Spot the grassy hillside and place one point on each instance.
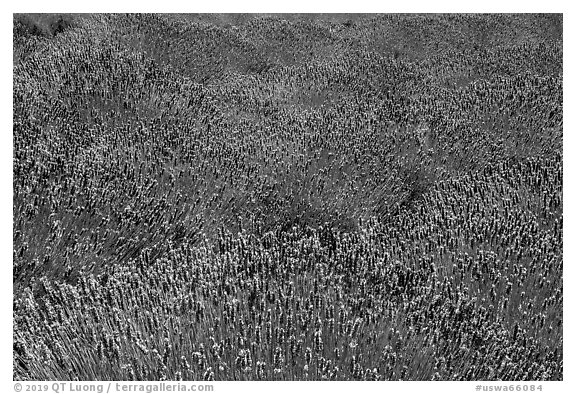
(238, 197)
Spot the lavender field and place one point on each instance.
(287, 197)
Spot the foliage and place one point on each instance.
(266, 197)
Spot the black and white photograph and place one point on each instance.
(313, 197)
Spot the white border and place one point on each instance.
(293, 6)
